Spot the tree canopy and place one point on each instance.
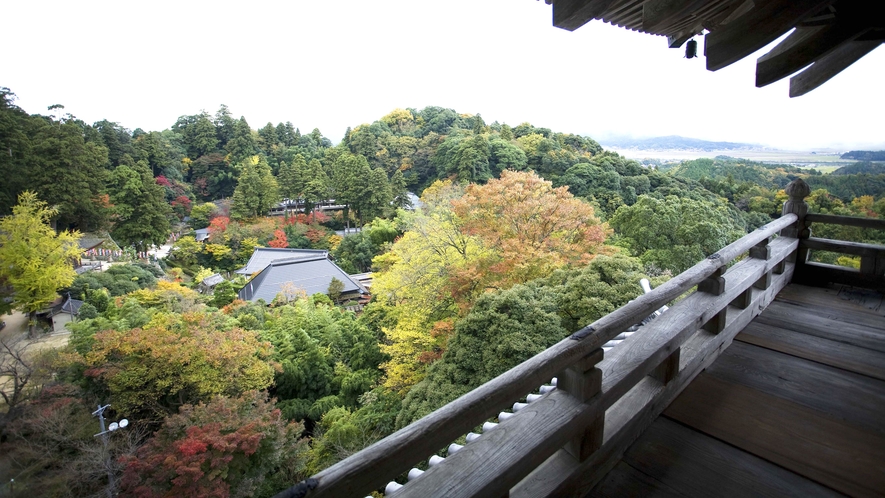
(36, 261)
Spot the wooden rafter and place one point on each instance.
(830, 65)
(572, 14)
(812, 46)
(847, 22)
(737, 28)
(755, 29)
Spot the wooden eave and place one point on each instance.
(827, 35)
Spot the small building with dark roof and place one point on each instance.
(311, 275)
(207, 285)
(61, 314)
(263, 256)
(201, 234)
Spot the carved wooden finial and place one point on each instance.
(797, 189)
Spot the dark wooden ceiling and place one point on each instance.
(829, 35)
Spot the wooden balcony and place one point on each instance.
(794, 407)
(753, 384)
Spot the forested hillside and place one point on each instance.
(523, 235)
(865, 155)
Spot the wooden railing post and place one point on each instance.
(715, 284)
(762, 251)
(798, 190)
(583, 381)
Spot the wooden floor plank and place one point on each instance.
(826, 297)
(793, 317)
(843, 395)
(834, 453)
(867, 298)
(695, 464)
(624, 480)
(834, 313)
(833, 353)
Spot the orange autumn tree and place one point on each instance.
(464, 242)
(279, 240)
(530, 227)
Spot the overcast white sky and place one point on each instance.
(334, 64)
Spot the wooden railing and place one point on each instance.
(872, 256)
(565, 441)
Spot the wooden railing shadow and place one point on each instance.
(565, 441)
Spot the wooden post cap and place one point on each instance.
(797, 189)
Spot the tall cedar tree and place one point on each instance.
(142, 214)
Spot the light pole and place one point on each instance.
(104, 439)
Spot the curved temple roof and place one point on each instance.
(828, 36)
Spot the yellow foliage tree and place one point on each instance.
(34, 259)
(463, 243)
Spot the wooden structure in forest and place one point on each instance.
(575, 439)
(829, 35)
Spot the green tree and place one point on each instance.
(317, 187)
(203, 139)
(377, 198)
(34, 259)
(674, 233)
(350, 181)
(140, 209)
(292, 178)
(399, 191)
(507, 327)
(68, 172)
(335, 288)
(257, 190)
(242, 145)
(201, 215)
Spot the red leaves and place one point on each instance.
(314, 217)
(210, 449)
(279, 240)
(217, 226)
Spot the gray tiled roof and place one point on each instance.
(89, 243)
(313, 275)
(212, 280)
(71, 306)
(263, 256)
(201, 234)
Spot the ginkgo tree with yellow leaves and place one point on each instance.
(34, 259)
(464, 242)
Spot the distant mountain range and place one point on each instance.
(675, 142)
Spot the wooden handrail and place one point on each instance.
(850, 221)
(872, 256)
(492, 465)
(370, 468)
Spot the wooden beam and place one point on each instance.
(755, 29)
(848, 221)
(830, 65)
(572, 14)
(804, 46)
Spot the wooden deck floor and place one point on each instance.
(794, 407)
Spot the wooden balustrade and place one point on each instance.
(871, 273)
(576, 420)
(564, 442)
